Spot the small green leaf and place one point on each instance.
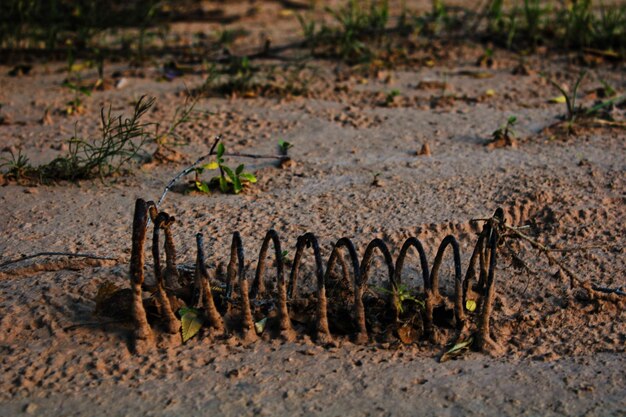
(237, 185)
(457, 349)
(184, 310)
(203, 187)
(246, 176)
(191, 325)
(223, 184)
(220, 150)
(239, 169)
(558, 100)
(211, 165)
(229, 172)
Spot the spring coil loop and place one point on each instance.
(354, 276)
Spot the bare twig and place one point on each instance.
(69, 254)
(188, 170)
(618, 291)
(547, 251)
(255, 156)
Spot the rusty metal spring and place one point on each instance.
(482, 261)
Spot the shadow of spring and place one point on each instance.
(241, 299)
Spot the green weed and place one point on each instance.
(17, 165)
(505, 135)
(390, 97)
(403, 295)
(228, 181)
(119, 145)
(283, 147)
(358, 25)
(570, 99)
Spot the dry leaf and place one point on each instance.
(191, 323)
(407, 334)
(557, 100)
(457, 350)
(259, 326)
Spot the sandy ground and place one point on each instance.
(564, 353)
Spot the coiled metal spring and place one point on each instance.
(354, 275)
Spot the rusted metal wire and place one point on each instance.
(278, 296)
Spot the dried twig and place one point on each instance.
(618, 291)
(69, 254)
(188, 170)
(255, 156)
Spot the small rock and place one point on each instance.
(425, 151)
(46, 120)
(121, 83)
(287, 163)
(30, 408)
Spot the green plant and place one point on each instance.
(533, 15)
(403, 294)
(242, 72)
(389, 99)
(67, 24)
(610, 29)
(283, 147)
(228, 180)
(504, 135)
(577, 21)
(17, 165)
(120, 143)
(570, 99)
(506, 131)
(359, 24)
(75, 106)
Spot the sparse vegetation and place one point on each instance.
(120, 144)
(359, 24)
(504, 135)
(65, 24)
(573, 25)
(239, 77)
(570, 99)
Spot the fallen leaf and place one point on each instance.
(476, 74)
(558, 100)
(191, 322)
(211, 165)
(407, 334)
(259, 326)
(457, 350)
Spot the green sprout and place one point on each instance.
(283, 147)
(228, 180)
(403, 294)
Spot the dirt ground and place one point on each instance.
(357, 173)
